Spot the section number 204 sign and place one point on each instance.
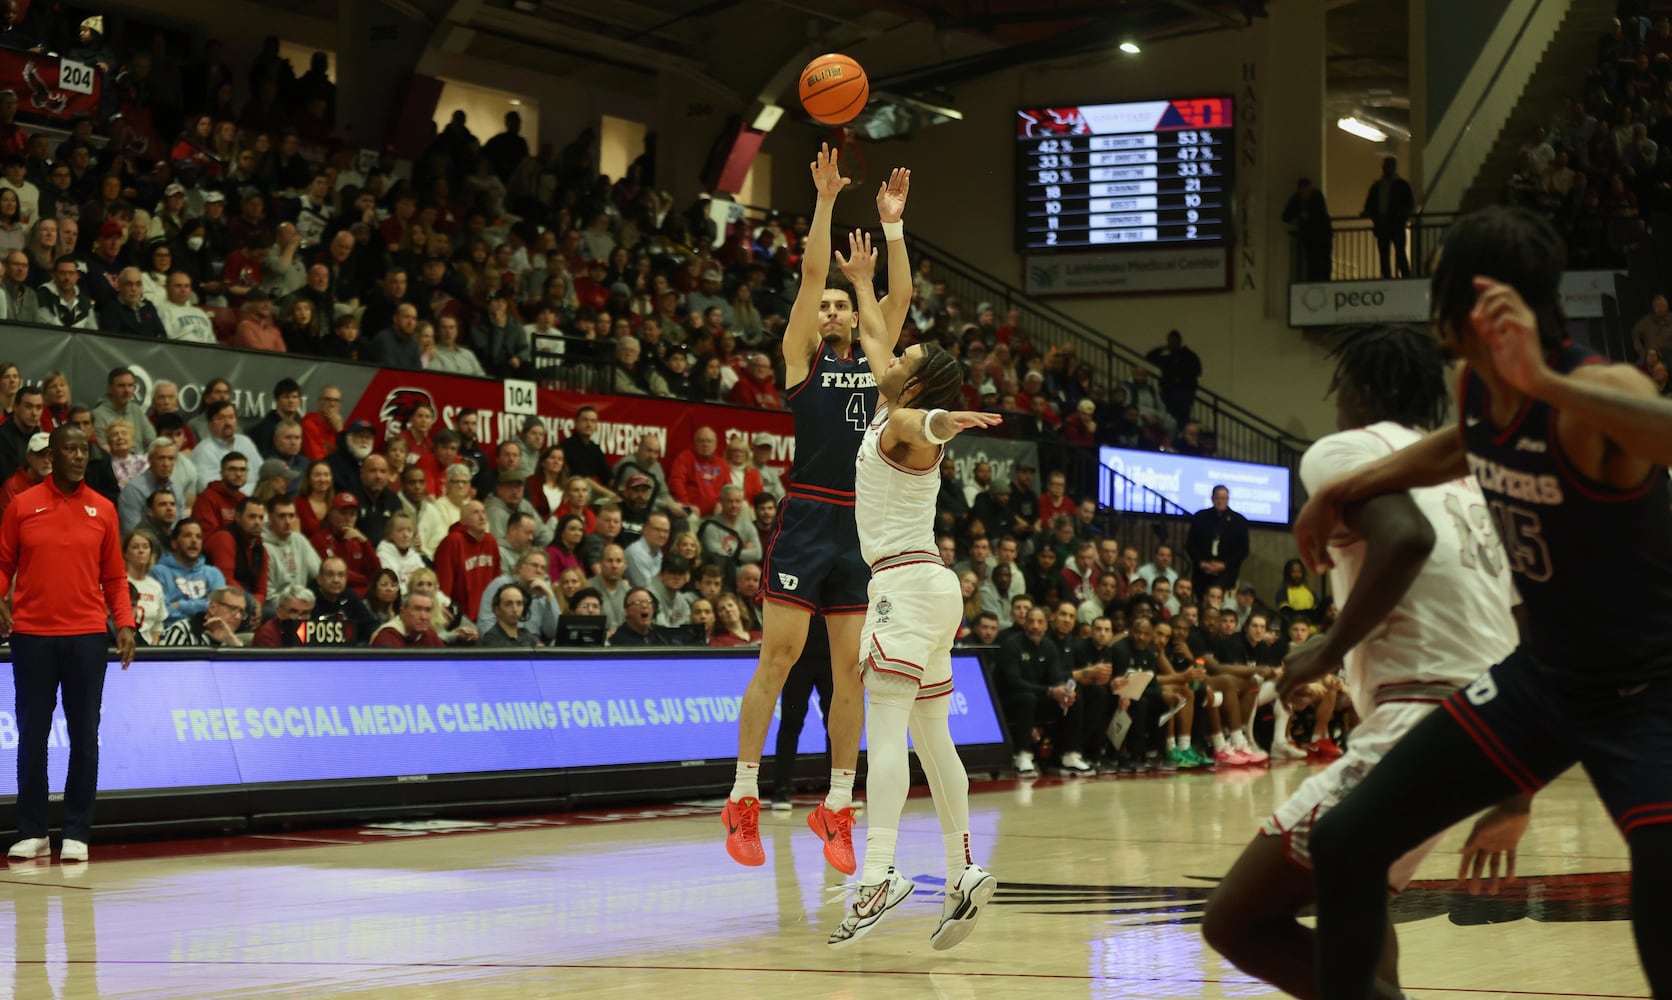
(75, 76)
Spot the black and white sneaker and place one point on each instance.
(869, 904)
(965, 897)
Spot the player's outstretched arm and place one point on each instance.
(1397, 542)
(1438, 458)
(801, 333)
(860, 268)
(936, 427)
(891, 210)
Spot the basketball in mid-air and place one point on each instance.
(834, 88)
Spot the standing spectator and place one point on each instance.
(582, 456)
(502, 345)
(467, 559)
(238, 552)
(1308, 213)
(187, 577)
(1181, 372)
(68, 575)
(1388, 205)
(1217, 543)
(507, 149)
(340, 539)
(1653, 331)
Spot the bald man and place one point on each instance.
(129, 312)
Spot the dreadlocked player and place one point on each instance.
(905, 650)
(1428, 557)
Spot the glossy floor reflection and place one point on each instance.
(1103, 880)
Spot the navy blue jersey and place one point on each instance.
(1593, 562)
(832, 408)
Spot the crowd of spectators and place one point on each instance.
(1598, 168)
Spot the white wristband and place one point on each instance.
(894, 231)
(929, 427)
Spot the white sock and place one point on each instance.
(746, 781)
(957, 847)
(1280, 733)
(841, 789)
(1184, 743)
(879, 855)
(1219, 742)
(1239, 741)
(1172, 744)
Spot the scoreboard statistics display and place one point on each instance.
(1112, 176)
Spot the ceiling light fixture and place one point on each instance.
(1364, 130)
(1130, 48)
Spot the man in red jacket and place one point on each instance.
(61, 545)
(237, 550)
(697, 475)
(411, 627)
(339, 538)
(321, 427)
(467, 560)
(757, 388)
(217, 503)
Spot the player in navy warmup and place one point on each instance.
(812, 563)
(1571, 453)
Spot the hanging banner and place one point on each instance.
(967, 451)
(48, 85)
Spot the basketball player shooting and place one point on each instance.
(1571, 454)
(1427, 559)
(812, 563)
(914, 609)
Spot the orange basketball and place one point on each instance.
(834, 88)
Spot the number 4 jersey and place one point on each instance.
(1455, 620)
(832, 407)
(1593, 562)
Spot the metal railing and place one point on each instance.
(1355, 252)
(1238, 433)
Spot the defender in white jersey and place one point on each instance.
(1427, 610)
(905, 648)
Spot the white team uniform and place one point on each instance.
(915, 601)
(1451, 626)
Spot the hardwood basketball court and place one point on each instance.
(1102, 886)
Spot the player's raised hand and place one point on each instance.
(860, 265)
(827, 176)
(891, 195)
(1502, 319)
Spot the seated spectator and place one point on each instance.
(19, 302)
(757, 387)
(571, 582)
(540, 607)
(468, 559)
(356, 442)
(186, 577)
(377, 502)
(450, 356)
(506, 604)
(577, 500)
(411, 627)
(341, 539)
(321, 427)
(128, 311)
(287, 405)
(565, 550)
(291, 559)
(673, 601)
(731, 535)
(1654, 330)
(639, 628)
(438, 517)
(216, 506)
(335, 600)
(1031, 675)
(501, 343)
(119, 403)
(1055, 502)
(256, 329)
(383, 597)
(730, 627)
(697, 475)
(293, 602)
(139, 555)
(612, 584)
(396, 346)
(222, 439)
(237, 550)
(36, 467)
(217, 625)
(398, 551)
(63, 303)
(453, 628)
(182, 319)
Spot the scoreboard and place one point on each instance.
(1111, 176)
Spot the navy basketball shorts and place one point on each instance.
(1533, 722)
(812, 560)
